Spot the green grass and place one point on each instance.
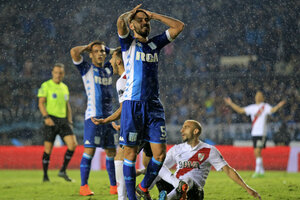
(27, 185)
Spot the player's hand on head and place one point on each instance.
(135, 9)
(148, 13)
(89, 47)
(115, 126)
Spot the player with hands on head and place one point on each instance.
(57, 114)
(258, 113)
(193, 159)
(97, 80)
(142, 117)
(118, 66)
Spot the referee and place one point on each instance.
(56, 110)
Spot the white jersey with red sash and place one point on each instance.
(258, 113)
(194, 163)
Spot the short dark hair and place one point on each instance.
(97, 42)
(134, 14)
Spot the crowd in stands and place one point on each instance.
(193, 81)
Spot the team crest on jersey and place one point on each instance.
(201, 156)
(152, 45)
(54, 96)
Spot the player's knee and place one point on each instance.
(110, 152)
(160, 157)
(130, 154)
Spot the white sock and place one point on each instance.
(168, 176)
(261, 166)
(257, 166)
(122, 194)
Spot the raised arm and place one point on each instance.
(235, 107)
(78, 50)
(232, 174)
(122, 23)
(176, 26)
(279, 105)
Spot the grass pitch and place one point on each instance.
(27, 185)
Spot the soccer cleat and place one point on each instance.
(140, 194)
(113, 189)
(85, 191)
(182, 190)
(162, 195)
(46, 179)
(65, 176)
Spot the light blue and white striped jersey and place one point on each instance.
(141, 65)
(98, 86)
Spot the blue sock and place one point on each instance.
(151, 173)
(110, 168)
(129, 176)
(85, 167)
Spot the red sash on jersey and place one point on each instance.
(258, 114)
(200, 156)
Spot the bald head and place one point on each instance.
(195, 124)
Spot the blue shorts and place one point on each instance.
(142, 121)
(104, 136)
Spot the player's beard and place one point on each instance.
(186, 139)
(145, 33)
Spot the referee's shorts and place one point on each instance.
(61, 127)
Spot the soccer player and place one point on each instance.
(194, 159)
(142, 115)
(118, 67)
(258, 112)
(56, 110)
(97, 79)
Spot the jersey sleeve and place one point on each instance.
(216, 159)
(42, 92)
(125, 41)
(248, 110)
(170, 158)
(268, 108)
(82, 66)
(162, 39)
